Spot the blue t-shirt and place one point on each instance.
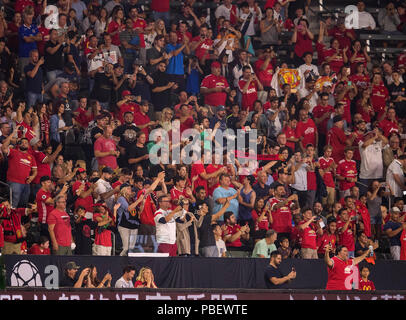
(34, 85)
(193, 82)
(24, 47)
(175, 65)
(394, 241)
(220, 192)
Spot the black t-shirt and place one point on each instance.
(153, 54)
(53, 61)
(396, 91)
(271, 272)
(34, 85)
(83, 238)
(261, 192)
(95, 131)
(232, 122)
(136, 152)
(127, 134)
(103, 86)
(160, 99)
(206, 234)
(68, 281)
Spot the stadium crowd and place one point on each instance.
(82, 90)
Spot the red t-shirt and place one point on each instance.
(215, 98)
(63, 230)
(263, 224)
(142, 119)
(346, 238)
(402, 245)
(43, 169)
(87, 202)
(303, 44)
(347, 169)
(231, 231)
(212, 183)
(197, 169)
(104, 145)
(388, 127)
(282, 217)
(366, 218)
(379, 96)
(102, 238)
(318, 112)
(341, 36)
(307, 130)
(147, 215)
(328, 175)
(366, 285)
(249, 96)
(338, 274)
(112, 27)
(337, 62)
(309, 236)
(28, 131)
(139, 23)
(361, 81)
(45, 37)
(336, 138)
(202, 51)
(324, 240)
(43, 208)
(127, 107)
(181, 35)
(366, 115)
(19, 165)
(176, 194)
(187, 124)
(36, 249)
(82, 118)
(265, 76)
(360, 58)
(21, 4)
(290, 133)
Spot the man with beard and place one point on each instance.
(104, 190)
(126, 133)
(22, 169)
(161, 88)
(274, 279)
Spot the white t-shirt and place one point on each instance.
(395, 168)
(221, 247)
(302, 69)
(371, 161)
(313, 100)
(121, 283)
(165, 232)
(103, 186)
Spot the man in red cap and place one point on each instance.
(215, 87)
(126, 104)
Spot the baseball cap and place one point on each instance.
(71, 265)
(81, 170)
(215, 64)
(395, 209)
(124, 185)
(107, 170)
(126, 93)
(220, 108)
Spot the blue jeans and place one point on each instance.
(52, 75)
(162, 15)
(20, 194)
(33, 98)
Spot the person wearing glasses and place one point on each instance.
(59, 227)
(165, 221)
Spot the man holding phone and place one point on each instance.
(274, 278)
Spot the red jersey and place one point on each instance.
(176, 194)
(181, 36)
(328, 175)
(366, 114)
(324, 240)
(142, 119)
(338, 275)
(43, 169)
(303, 44)
(216, 98)
(212, 183)
(87, 202)
(102, 235)
(318, 112)
(366, 285)
(290, 134)
(403, 245)
(113, 27)
(361, 81)
(347, 169)
(127, 107)
(359, 58)
(366, 218)
(21, 4)
(337, 62)
(261, 225)
(379, 96)
(388, 127)
(355, 143)
(282, 217)
(27, 132)
(82, 118)
(341, 36)
(160, 5)
(202, 51)
(187, 124)
(139, 23)
(336, 138)
(249, 97)
(19, 165)
(197, 169)
(105, 145)
(43, 208)
(308, 131)
(36, 249)
(309, 236)
(62, 230)
(45, 37)
(231, 230)
(147, 215)
(347, 108)
(265, 76)
(346, 238)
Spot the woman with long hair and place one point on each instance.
(160, 27)
(43, 117)
(145, 279)
(262, 217)
(58, 126)
(103, 21)
(270, 28)
(138, 154)
(128, 217)
(91, 280)
(246, 200)
(116, 25)
(166, 119)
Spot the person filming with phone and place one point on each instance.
(274, 278)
